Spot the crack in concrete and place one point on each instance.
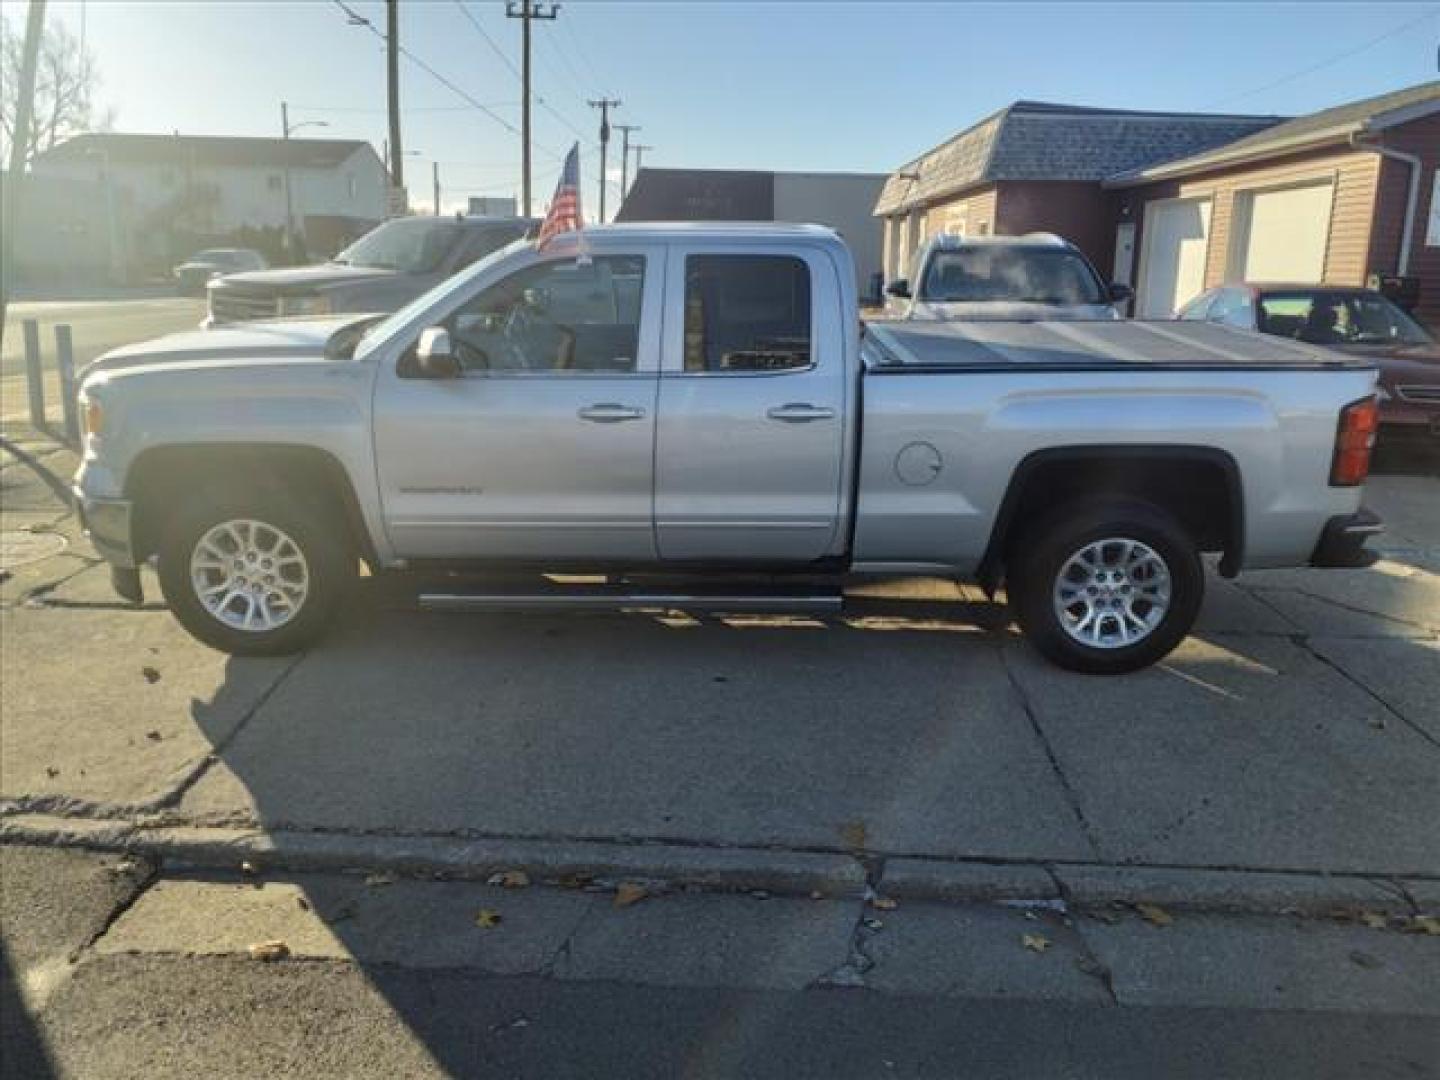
(150, 875)
(1032, 715)
(1302, 641)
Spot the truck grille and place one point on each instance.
(227, 306)
(1421, 395)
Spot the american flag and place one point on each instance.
(564, 213)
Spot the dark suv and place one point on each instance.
(382, 271)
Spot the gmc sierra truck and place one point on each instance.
(691, 409)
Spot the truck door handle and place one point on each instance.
(799, 412)
(610, 412)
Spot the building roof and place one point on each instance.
(205, 150)
(1034, 140)
(1326, 126)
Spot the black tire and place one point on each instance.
(1045, 548)
(321, 541)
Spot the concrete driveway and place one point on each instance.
(1297, 731)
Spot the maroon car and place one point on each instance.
(1356, 321)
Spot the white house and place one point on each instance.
(166, 194)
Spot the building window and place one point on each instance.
(746, 313)
(273, 183)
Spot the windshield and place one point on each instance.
(382, 330)
(1010, 275)
(1339, 319)
(408, 245)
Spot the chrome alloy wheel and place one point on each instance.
(1112, 593)
(249, 575)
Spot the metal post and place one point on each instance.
(289, 205)
(65, 364)
(34, 373)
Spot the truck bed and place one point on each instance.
(899, 347)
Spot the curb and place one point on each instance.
(725, 869)
(836, 875)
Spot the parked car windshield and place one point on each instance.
(1329, 318)
(407, 245)
(1010, 274)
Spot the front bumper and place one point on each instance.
(1342, 541)
(107, 523)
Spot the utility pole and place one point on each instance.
(526, 11)
(604, 105)
(625, 130)
(639, 156)
(392, 76)
(19, 148)
(435, 172)
(286, 128)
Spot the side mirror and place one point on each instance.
(899, 287)
(1120, 293)
(434, 355)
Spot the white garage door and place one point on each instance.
(1285, 233)
(1172, 270)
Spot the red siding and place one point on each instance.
(1076, 210)
(1420, 137)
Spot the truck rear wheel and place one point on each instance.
(1106, 587)
(253, 575)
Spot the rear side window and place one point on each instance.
(746, 313)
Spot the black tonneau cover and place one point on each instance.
(900, 347)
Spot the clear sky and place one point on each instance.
(859, 86)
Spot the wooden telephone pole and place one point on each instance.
(625, 130)
(604, 105)
(526, 11)
(392, 75)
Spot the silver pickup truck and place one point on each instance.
(697, 413)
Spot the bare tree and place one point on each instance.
(65, 84)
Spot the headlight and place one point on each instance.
(304, 305)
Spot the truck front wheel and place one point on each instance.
(1106, 587)
(254, 576)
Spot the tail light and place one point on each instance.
(1354, 439)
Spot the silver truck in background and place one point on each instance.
(694, 405)
(1038, 276)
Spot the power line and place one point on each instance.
(405, 109)
(356, 19)
(1432, 13)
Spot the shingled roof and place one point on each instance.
(1327, 125)
(1034, 140)
(205, 150)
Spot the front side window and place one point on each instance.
(556, 317)
(996, 273)
(746, 313)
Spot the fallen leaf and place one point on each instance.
(1035, 942)
(629, 893)
(375, 881)
(510, 879)
(1374, 920)
(154, 736)
(1154, 914)
(51, 771)
(268, 951)
(1422, 924)
(1364, 959)
(487, 919)
(303, 903)
(885, 903)
(152, 675)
